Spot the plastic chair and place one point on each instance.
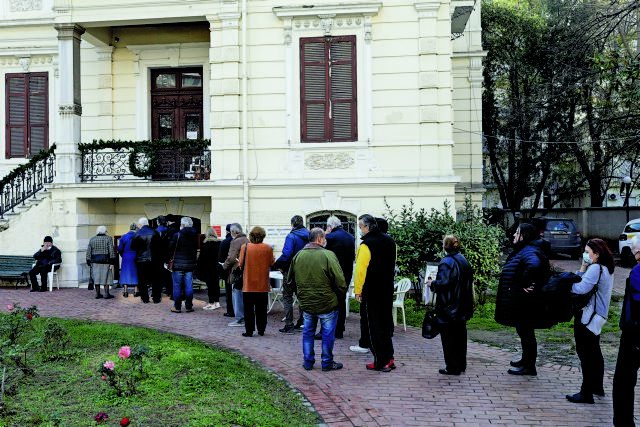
(402, 287)
(53, 274)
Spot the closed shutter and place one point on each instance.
(27, 118)
(328, 89)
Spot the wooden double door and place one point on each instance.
(176, 103)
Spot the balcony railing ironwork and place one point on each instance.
(26, 180)
(161, 164)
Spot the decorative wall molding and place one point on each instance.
(317, 11)
(70, 109)
(25, 5)
(23, 60)
(329, 161)
(427, 9)
(25, 63)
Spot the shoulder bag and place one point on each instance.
(170, 264)
(239, 272)
(430, 324)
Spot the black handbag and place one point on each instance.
(238, 273)
(580, 301)
(430, 325)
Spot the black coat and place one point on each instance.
(146, 243)
(184, 249)
(454, 289)
(343, 244)
(208, 269)
(223, 252)
(526, 266)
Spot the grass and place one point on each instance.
(190, 384)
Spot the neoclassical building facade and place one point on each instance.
(324, 108)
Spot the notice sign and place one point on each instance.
(218, 230)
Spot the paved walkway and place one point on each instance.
(414, 394)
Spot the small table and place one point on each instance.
(276, 292)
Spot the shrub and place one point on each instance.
(418, 235)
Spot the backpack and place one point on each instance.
(556, 298)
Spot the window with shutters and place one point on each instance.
(328, 102)
(26, 114)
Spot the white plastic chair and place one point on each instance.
(53, 274)
(402, 287)
(349, 296)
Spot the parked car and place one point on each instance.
(631, 230)
(562, 233)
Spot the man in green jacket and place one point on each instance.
(316, 277)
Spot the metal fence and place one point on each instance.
(26, 183)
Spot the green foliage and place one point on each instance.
(33, 161)
(55, 342)
(418, 235)
(17, 341)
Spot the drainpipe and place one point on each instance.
(245, 130)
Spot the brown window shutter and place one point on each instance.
(313, 91)
(15, 116)
(343, 89)
(38, 113)
(27, 114)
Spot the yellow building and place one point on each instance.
(326, 107)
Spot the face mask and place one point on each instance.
(586, 259)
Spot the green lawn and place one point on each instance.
(189, 384)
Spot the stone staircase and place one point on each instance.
(30, 203)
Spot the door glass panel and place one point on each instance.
(165, 131)
(192, 125)
(166, 80)
(191, 80)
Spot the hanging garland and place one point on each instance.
(148, 153)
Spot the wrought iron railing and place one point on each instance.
(158, 164)
(26, 180)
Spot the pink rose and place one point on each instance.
(124, 352)
(101, 417)
(109, 365)
(9, 307)
(103, 378)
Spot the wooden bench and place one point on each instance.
(15, 268)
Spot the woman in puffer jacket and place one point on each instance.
(524, 274)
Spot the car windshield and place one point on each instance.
(632, 228)
(565, 226)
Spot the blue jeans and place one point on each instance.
(238, 304)
(182, 283)
(327, 328)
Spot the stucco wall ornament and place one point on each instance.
(25, 63)
(329, 161)
(70, 109)
(25, 5)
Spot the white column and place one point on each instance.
(69, 104)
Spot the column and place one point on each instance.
(224, 91)
(69, 104)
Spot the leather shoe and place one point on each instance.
(580, 398)
(33, 290)
(599, 392)
(447, 372)
(98, 296)
(334, 366)
(516, 363)
(523, 370)
(229, 315)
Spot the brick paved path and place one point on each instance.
(413, 394)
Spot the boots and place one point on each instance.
(107, 295)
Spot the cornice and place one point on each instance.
(331, 10)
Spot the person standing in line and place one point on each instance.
(100, 257)
(231, 264)
(223, 253)
(454, 305)
(184, 252)
(596, 270)
(293, 243)
(625, 377)
(128, 273)
(343, 245)
(373, 284)
(256, 258)
(523, 275)
(47, 255)
(166, 230)
(146, 245)
(316, 277)
(208, 269)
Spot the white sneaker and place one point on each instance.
(237, 323)
(208, 307)
(358, 349)
(215, 306)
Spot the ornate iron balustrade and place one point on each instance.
(177, 164)
(26, 180)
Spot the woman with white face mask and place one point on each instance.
(596, 270)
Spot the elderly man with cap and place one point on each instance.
(47, 255)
